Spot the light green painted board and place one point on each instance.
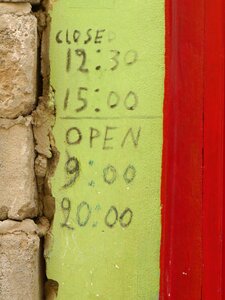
(106, 232)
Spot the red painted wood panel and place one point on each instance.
(213, 180)
(193, 240)
(181, 250)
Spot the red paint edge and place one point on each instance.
(213, 180)
(192, 251)
(181, 249)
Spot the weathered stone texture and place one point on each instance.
(18, 63)
(20, 267)
(15, 8)
(18, 192)
(17, 1)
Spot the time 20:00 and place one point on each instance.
(84, 211)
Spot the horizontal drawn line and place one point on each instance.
(82, 7)
(112, 118)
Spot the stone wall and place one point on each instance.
(22, 221)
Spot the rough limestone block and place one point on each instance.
(18, 61)
(18, 192)
(17, 1)
(20, 261)
(15, 8)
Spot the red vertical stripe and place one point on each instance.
(213, 149)
(193, 240)
(181, 251)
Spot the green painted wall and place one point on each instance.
(107, 69)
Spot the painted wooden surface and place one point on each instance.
(193, 161)
(213, 181)
(107, 71)
(181, 251)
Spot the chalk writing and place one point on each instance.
(110, 137)
(82, 54)
(128, 59)
(66, 208)
(72, 170)
(129, 100)
(110, 174)
(107, 74)
(84, 213)
(111, 217)
(83, 220)
(107, 137)
(129, 174)
(123, 221)
(77, 37)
